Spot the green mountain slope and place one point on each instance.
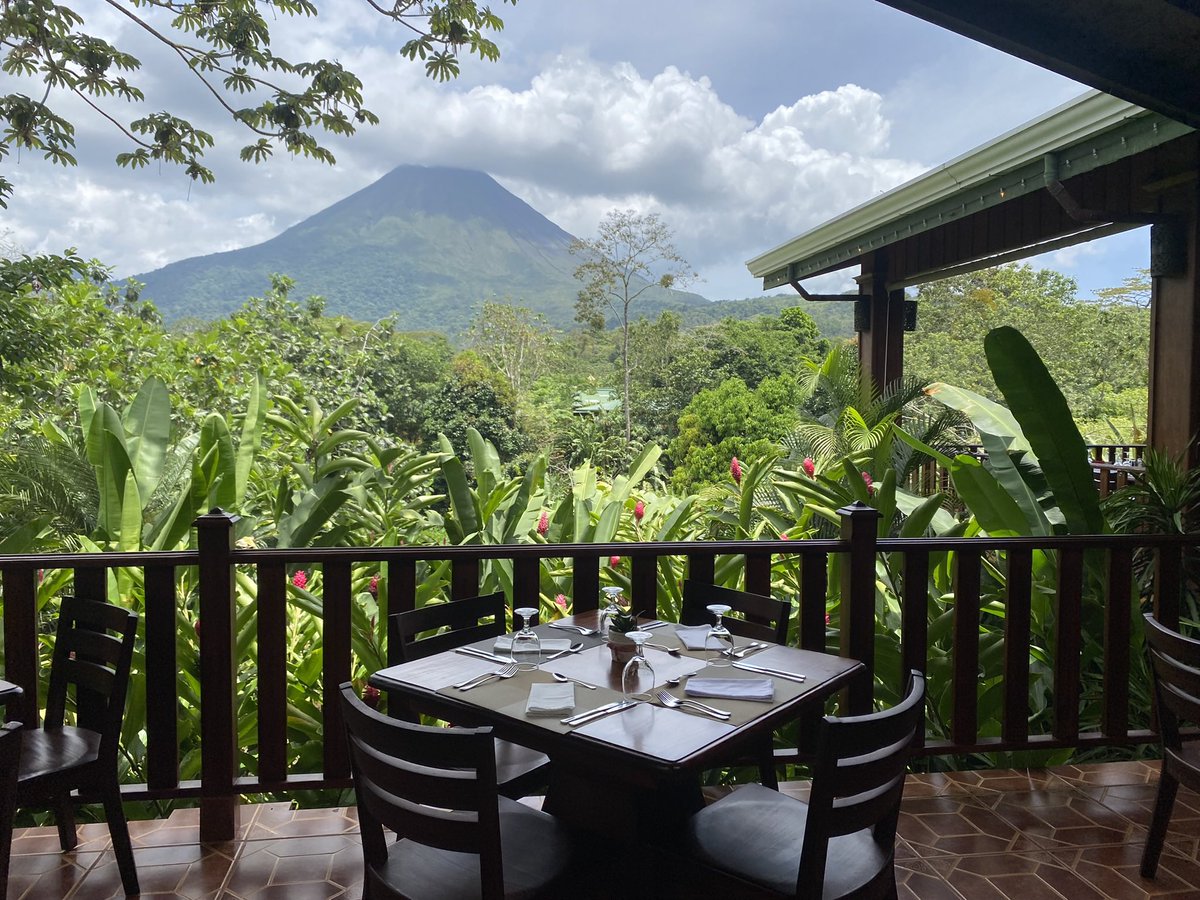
(426, 243)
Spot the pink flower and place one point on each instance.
(300, 579)
(735, 469)
(809, 466)
(785, 537)
(614, 561)
(826, 618)
(639, 510)
(373, 586)
(543, 524)
(370, 695)
(866, 477)
(560, 600)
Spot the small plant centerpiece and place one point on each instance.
(621, 647)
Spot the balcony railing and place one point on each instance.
(1093, 604)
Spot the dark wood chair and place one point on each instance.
(456, 836)
(419, 633)
(57, 758)
(841, 843)
(760, 618)
(10, 753)
(1175, 663)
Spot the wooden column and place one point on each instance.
(881, 343)
(1174, 418)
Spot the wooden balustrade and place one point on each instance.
(1095, 590)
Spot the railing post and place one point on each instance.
(218, 707)
(860, 527)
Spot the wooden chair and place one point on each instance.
(841, 843)
(1175, 663)
(59, 758)
(520, 771)
(10, 753)
(761, 618)
(456, 837)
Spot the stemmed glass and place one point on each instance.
(526, 646)
(613, 596)
(722, 654)
(637, 678)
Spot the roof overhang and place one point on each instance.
(1088, 133)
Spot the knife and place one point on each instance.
(764, 670)
(598, 713)
(471, 651)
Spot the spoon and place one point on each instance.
(581, 629)
(574, 648)
(674, 651)
(565, 680)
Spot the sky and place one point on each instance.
(742, 125)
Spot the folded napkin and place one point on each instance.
(548, 645)
(550, 699)
(695, 637)
(732, 688)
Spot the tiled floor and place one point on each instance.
(1070, 833)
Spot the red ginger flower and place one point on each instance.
(300, 579)
(809, 466)
(735, 469)
(561, 601)
(543, 524)
(785, 537)
(614, 561)
(370, 695)
(866, 477)
(373, 586)
(639, 510)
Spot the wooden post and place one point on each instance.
(860, 525)
(218, 707)
(881, 344)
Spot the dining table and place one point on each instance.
(635, 774)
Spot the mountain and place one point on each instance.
(426, 243)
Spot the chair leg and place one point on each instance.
(64, 819)
(1168, 786)
(768, 776)
(6, 830)
(118, 829)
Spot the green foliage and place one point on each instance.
(474, 397)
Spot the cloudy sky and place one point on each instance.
(742, 124)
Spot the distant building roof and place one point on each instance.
(597, 401)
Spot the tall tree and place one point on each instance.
(512, 338)
(631, 254)
(227, 46)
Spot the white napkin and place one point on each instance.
(695, 637)
(731, 688)
(548, 645)
(550, 699)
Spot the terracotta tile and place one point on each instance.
(1065, 818)
(47, 875)
(957, 826)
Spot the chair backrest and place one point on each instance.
(1175, 661)
(468, 620)
(96, 663)
(433, 786)
(858, 778)
(765, 618)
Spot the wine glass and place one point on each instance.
(526, 646)
(637, 678)
(720, 641)
(613, 596)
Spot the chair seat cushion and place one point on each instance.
(47, 751)
(757, 834)
(535, 848)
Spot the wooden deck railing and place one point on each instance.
(1093, 604)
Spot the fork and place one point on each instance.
(667, 699)
(749, 648)
(586, 632)
(506, 672)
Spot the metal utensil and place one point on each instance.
(674, 651)
(667, 699)
(483, 654)
(586, 632)
(507, 672)
(599, 712)
(558, 676)
(749, 648)
(764, 670)
(574, 648)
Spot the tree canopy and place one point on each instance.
(227, 46)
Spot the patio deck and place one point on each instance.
(1072, 832)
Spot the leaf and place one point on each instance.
(997, 513)
(1000, 464)
(251, 436)
(130, 538)
(462, 501)
(147, 425)
(315, 509)
(1046, 421)
(985, 415)
(216, 446)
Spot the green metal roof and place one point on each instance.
(597, 401)
(1093, 130)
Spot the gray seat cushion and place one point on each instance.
(55, 750)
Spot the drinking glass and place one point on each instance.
(637, 678)
(526, 646)
(613, 596)
(720, 641)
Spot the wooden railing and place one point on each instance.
(1093, 601)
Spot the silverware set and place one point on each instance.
(507, 672)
